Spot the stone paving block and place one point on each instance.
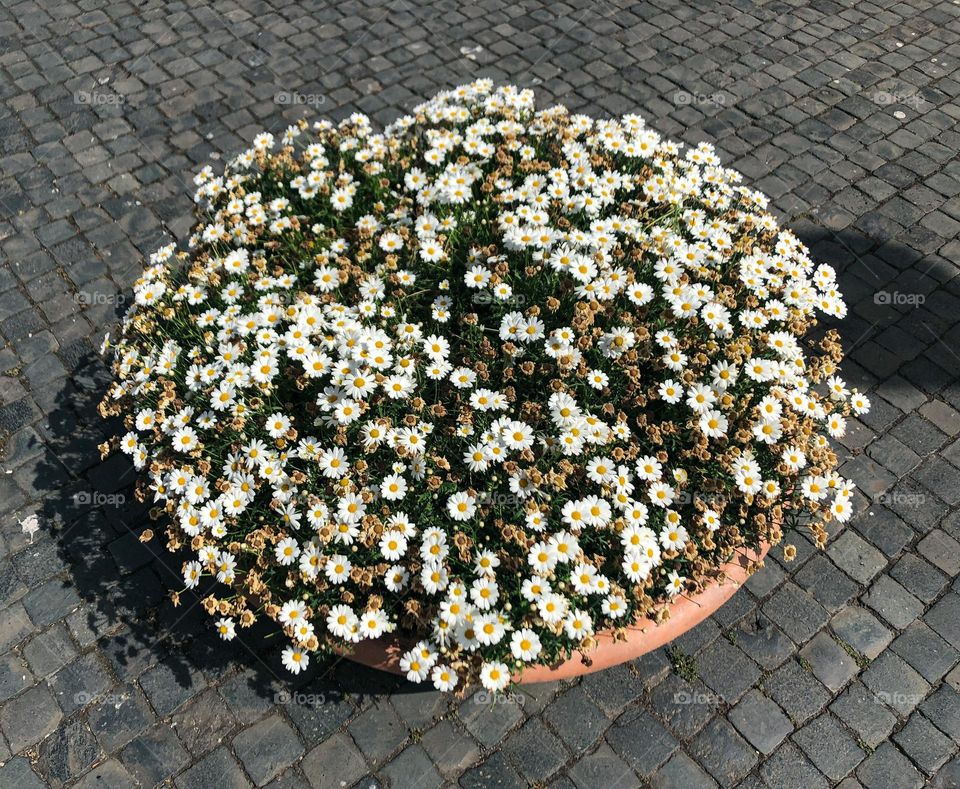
(641, 741)
(790, 767)
(49, 651)
(894, 603)
(417, 710)
(895, 683)
(378, 732)
(924, 744)
(894, 455)
(763, 642)
(613, 688)
(171, 684)
(942, 707)
(829, 662)
(940, 478)
(861, 630)
(318, 715)
(155, 755)
(947, 776)
(856, 557)
(888, 767)
(119, 716)
(67, 753)
(796, 692)
(727, 670)
(537, 696)
(17, 772)
(685, 706)
(452, 750)
(14, 676)
(218, 768)
(796, 612)
(535, 751)
(723, 752)
(941, 550)
(494, 771)
(942, 415)
(51, 601)
(603, 767)
(829, 587)
(576, 719)
(925, 651)
(681, 770)
(110, 773)
(761, 721)
(267, 748)
(919, 577)
(247, 698)
(944, 617)
(885, 530)
(204, 723)
(765, 580)
(829, 747)
(865, 714)
(28, 718)
(413, 767)
(335, 762)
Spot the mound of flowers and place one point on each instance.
(492, 378)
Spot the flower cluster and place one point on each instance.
(493, 379)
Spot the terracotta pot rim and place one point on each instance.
(643, 636)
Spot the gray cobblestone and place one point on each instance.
(894, 603)
(895, 684)
(829, 662)
(535, 751)
(888, 767)
(860, 710)
(829, 747)
(723, 752)
(642, 742)
(861, 630)
(856, 557)
(926, 746)
(577, 719)
(218, 768)
(761, 721)
(154, 756)
(727, 670)
(925, 651)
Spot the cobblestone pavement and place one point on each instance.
(838, 668)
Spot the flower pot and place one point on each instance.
(643, 636)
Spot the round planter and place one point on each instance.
(643, 636)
